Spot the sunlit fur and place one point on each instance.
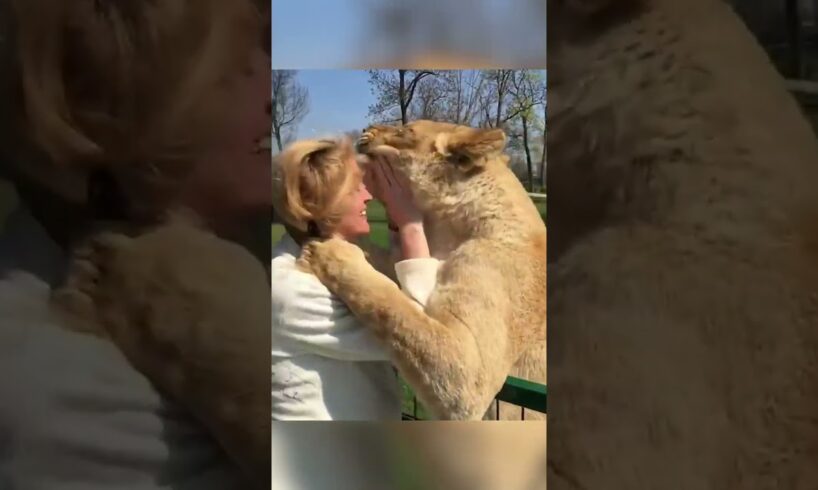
(682, 287)
(486, 317)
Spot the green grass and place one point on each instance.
(278, 232)
(379, 232)
(541, 207)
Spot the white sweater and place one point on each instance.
(74, 414)
(326, 365)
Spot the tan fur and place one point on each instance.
(476, 456)
(683, 312)
(486, 317)
(191, 312)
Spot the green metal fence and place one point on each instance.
(522, 393)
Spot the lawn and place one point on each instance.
(541, 206)
(379, 233)
(278, 232)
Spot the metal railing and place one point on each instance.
(527, 395)
(788, 30)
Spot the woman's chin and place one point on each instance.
(363, 232)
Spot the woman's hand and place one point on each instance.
(392, 188)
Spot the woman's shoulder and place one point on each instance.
(77, 384)
(288, 281)
(30, 330)
(24, 301)
(289, 284)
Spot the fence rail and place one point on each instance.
(522, 393)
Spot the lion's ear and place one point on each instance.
(470, 145)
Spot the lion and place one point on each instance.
(486, 317)
(191, 312)
(682, 265)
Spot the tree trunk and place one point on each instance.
(277, 132)
(544, 149)
(527, 152)
(402, 95)
(499, 108)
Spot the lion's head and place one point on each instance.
(447, 164)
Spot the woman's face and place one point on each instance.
(354, 224)
(232, 182)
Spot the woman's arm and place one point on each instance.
(409, 242)
(413, 241)
(416, 270)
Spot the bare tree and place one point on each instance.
(498, 103)
(406, 91)
(527, 91)
(290, 104)
(430, 100)
(507, 99)
(493, 101)
(463, 92)
(394, 89)
(502, 81)
(544, 138)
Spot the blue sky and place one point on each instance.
(307, 33)
(333, 33)
(339, 101)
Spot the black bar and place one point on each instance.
(793, 19)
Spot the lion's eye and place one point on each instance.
(460, 159)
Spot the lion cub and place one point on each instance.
(486, 318)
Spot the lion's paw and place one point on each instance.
(333, 260)
(83, 288)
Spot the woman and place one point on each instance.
(326, 365)
(116, 111)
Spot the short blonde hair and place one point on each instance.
(311, 179)
(130, 86)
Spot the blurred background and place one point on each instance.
(416, 456)
(788, 31)
(417, 34)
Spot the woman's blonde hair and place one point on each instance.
(311, 179)
(130, 86)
